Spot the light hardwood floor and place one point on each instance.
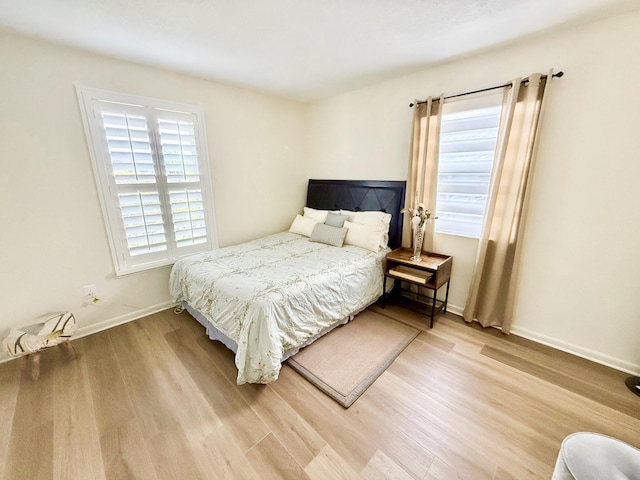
(155, 399)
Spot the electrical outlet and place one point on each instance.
(90, 291)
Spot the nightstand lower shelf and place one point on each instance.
(416, 302)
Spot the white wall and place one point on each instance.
(53, 239)
(579, 289)
(580, 286)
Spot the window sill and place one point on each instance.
(470, 237)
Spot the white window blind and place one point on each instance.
(150, 163)
(468, 136)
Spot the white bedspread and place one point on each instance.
(272, 294)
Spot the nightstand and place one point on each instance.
(433, 272)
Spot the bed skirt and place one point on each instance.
(214, 334)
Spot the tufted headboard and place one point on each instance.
(361, 195)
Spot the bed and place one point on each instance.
(268, 298)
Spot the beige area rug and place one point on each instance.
(346, 361)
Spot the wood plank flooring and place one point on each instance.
(155, 399)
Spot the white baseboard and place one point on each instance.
(601, 358)
(83, 331)
(96, 327)
(455, 309)
(618, 364)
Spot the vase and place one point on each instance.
(418, 237)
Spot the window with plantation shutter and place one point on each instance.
(150, 163)
(468, 135)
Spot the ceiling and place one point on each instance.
(302, 49)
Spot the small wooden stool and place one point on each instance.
(32, 360)
(49, 330)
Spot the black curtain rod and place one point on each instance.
(558, 75)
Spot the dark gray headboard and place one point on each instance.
(361, 195)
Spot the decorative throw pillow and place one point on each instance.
(302, 226)
(323, 233)
(335, 219)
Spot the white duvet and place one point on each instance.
(273, 294)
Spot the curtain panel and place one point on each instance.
(494, 283)
(423, 166)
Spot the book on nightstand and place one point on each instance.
(419, 276)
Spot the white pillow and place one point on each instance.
(317, 215)
(365, 236)
(371, 218)
(302, 225)
(368, 218)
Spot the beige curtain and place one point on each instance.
(423, 166)
(493, 290)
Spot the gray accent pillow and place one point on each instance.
(336, 219)
(323, 233)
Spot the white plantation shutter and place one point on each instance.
(131, 158)
(179, 151)
(151, 167)
(180, 155)
(129, 148)
(468, 136)
(187, 211)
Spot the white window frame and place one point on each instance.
(475, 102)
(90, 101)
